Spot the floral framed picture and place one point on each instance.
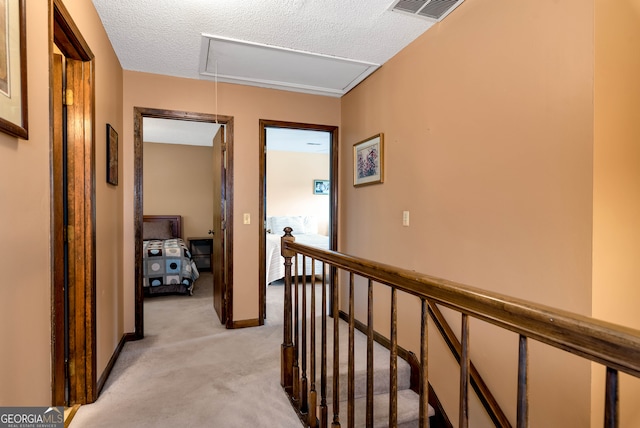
(13, 69)
(368, 161)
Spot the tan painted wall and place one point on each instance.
(25, 300)
(616, 194)
(490, 127)
(290, 178)
(178, 179)
(488, 123)
(25, 330)
(247, 105)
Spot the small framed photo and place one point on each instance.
(112, 156)
(368, 161)
(320, 187)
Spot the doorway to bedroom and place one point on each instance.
(183, 162)
(298, 188)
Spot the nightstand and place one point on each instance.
(202, 252)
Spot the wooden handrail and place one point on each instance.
(612, 345)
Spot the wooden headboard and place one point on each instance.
(176, 222)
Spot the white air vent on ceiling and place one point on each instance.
(431, 9)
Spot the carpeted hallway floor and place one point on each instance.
(189, 371)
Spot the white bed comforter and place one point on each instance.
(275, 261)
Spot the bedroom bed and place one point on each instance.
(305, 230)
(167, 264)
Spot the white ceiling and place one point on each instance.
(317, 46)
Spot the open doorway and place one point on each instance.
(221, 215)
(178, 186)
(298, 184)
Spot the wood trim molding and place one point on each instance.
(138, 114)
(57, 245)
(138, 219)
(67, 36)
(69, 413)
(80, 228)
(127, 337)
(245, 323)
(333, 203)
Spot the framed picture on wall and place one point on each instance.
(320, 187)
(13, 69)
(112, 156)
(368, 162)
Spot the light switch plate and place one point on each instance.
(247, 218)
(405, 218)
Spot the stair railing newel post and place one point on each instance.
(323, 365)
(424, 366)
(296, 337)
(393, 361)
(464, 373)
(287, 350)
(304, 388)
(522, 413)
(351, 357)
(313, 394)
(611, 399)
(336, 356)
(369, 404)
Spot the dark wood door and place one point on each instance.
(219, 226)
(60, 297)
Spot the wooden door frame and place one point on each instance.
(138, 114)
(64, 34)
(333, 194)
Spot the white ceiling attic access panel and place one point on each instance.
(236, 61)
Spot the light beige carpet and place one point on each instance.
(189, 371)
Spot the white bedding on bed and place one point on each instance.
(275, 261)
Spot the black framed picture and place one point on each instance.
(320, 187)
(112, 155)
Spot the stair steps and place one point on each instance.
(407, 400)
(408, 405)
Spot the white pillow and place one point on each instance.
(295, 222)
(311, 225)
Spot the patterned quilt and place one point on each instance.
(168, 262)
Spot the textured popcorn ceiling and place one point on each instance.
(166, 36)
